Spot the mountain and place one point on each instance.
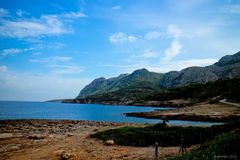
(139, 79)
(144, 81)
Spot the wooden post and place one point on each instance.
(156, 151)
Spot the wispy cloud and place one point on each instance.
(10, 51)
(3, 68)
(65, 69)
(192, 62)
(149, 53)
(20, 13)
(175, 47)
(3, 12)
(234, 9)
(59, 65)
(174, 31)
(52, 60)
(162, 68)
(39, 86)
(15, 51)
(36, 27)
(74, 15)
(116, 7)
(46, 25)
(181, 64)
(153, 35)
(121, 37)
(172, 51)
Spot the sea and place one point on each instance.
(10, 110)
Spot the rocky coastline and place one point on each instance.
(66, 139)
(204, 111)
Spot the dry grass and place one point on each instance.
(215, 109)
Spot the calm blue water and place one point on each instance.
(51, 110)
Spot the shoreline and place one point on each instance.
(185, 117)
(140, 104)
(204, 111)
(181, 111)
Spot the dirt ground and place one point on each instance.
(49, 139)
(215, 109)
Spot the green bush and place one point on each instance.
(224, 146)
(164, 135)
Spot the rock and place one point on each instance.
(109, 142)
(67, 156)
(70, 134)
(64, 156)
(95, 130)
(6, 135)
(16, 147)
(37, 136)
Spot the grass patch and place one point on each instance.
(164, 135)
(224, 146)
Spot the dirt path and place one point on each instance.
(42, 139)
(229, 103)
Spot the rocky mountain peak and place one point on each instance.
(229, 59)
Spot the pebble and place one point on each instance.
(6, 135)
(37, 136)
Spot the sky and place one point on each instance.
(51, 49)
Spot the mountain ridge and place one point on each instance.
(142, 80)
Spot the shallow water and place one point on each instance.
(96, 112)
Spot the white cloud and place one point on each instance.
(174, 31)
(175, 48)
(148, 53)
(74, 15)
(195, 62)
(173, 51)
(152, 35)
(52, 60)
(163, 68)
(35, 87)
(20, 13)
(64, 69)
(59, 65)
(121, 37)
(3, 68)
(10, 51)
(46, 25)
(179, 65)
(3, 12)
(116, 7)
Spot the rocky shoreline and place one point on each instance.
(198, 112)
(187, 117)
(66, 139)
(169, 103)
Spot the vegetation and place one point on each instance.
(164, 135)
(221, 88)
(224, 146)
(224, 88)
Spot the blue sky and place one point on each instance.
(51, 49)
